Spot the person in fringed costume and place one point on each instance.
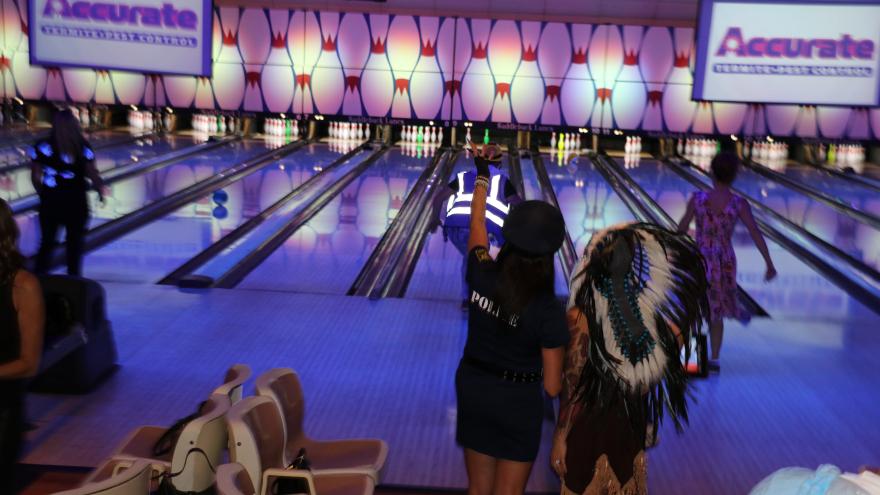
(637, 295)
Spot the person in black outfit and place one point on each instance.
(21, 342)
(516, 336)
(60, 165)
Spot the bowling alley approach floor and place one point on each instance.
(799, 389)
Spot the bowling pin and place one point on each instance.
(605, 60)
(255, 46)
(554, 59)
(729, 117)
(578, 93)
(30, 80)
(403, 54)
(228, 79)
(678, 108)
(527, 88)
(505, 53)
(304, 45)
(449, 59)
(703, 122)
(629, 97)
(367, 132)
(377, 83)
(276, 76)
(553, 141)
(328, 78)
(354, 52)
(781, 119)
(806, 122)
(426, 83)
(80, 83)
(833, 121)
(477, 85)
(440, 136)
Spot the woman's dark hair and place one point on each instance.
(66, 133)
(522, 279)
(724, 167)
(11, 259)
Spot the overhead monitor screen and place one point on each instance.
(151, 36)
(810, 53)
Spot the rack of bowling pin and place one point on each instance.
(697, 148)
(422, 134)
(281, 127)
(766, 151)
(565, 141)
(215, 123)
(632, 151)
(346, 136)
(86, 117)
(844, 156)
(144, 120)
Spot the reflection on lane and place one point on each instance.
(437, 274)
(797, 289)
(15, 151)
(326, 254)
(152, 251)
(851, 236)
(17, 184)
(136, 192)
(854, 194)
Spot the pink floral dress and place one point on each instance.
(714, 233)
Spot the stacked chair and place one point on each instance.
(264, 434)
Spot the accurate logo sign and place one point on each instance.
(801, 53)
(152, 36)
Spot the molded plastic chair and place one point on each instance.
(232, 479)
(199, 447)
(256, 442)
(233, 384)
(367, 456)
(133, 480)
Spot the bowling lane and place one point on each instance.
(588, 203)
(154, 250)
(437, 274)
(17, 184)
(860, 241)
(855, 194)
(797, 289)
(136, 192)
(15, 151)
(327, 253)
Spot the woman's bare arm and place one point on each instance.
(28, 300)
(745, 214)
(576, 356)
(685, 223)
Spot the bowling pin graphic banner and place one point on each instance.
(386, 68)
(789, 52)
(153, 36)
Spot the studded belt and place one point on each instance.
(502, 373)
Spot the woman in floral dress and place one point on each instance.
(717, 211)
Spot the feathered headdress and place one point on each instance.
(642, 290)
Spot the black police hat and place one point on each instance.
(535, 228)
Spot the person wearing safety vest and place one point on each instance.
(455, 211)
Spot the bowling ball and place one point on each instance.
(221, 197)
(220, 212)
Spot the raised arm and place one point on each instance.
(685, 223)
(28, 300)
(745, 214)
(479, 237)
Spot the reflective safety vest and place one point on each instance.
(458, 207)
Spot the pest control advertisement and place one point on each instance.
(152, 36)
(801, 53)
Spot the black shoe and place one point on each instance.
(714, 366)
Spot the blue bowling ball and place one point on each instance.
(221, 212)
(220, 197)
